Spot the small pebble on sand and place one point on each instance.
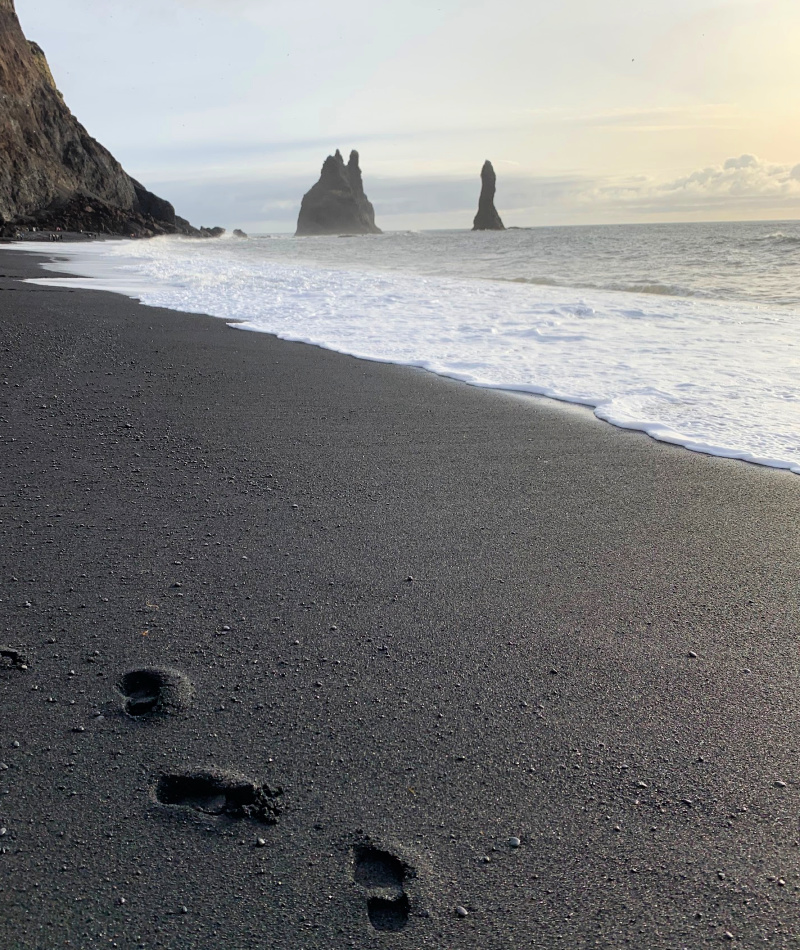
(514, 842)
(461, 911)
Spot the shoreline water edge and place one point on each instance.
(701, 365)
(303, 651)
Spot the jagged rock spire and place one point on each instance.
(487, 218)
(336, 204)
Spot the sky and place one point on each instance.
(591, 112)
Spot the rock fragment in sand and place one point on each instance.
(337, 204)
(487, 218)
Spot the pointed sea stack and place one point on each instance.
(53, 174)
(337, 203)
(487, 218)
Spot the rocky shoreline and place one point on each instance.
(82, 215)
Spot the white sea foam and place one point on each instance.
(719, 377)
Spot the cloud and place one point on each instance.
(743, 161)
(739, 182)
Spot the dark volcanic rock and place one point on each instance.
(487, 218)
(84, 213)
(239, 233)
(337, 203)
(51, 167)
(149, 204)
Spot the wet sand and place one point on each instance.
(307, 641)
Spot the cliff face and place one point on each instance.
(50, 167)
(487, 218)
(336, 204)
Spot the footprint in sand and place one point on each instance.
(155, 691)
(217, 793)
(12, 659)
(384, 876)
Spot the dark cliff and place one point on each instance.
(487, 218)
(336, 204)
(52, 172)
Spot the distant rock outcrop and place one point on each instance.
(53, 174)
(337, 203)
(239, 233)
(487, 218)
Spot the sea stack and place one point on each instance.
(487, 218)
(53, 174)
(337, 203)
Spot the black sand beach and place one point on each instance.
(598, 654)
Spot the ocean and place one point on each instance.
(688, 332)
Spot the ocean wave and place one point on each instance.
(538, 281)
(778, 237)
(709, 262)
(660, 290)
(636, 287)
